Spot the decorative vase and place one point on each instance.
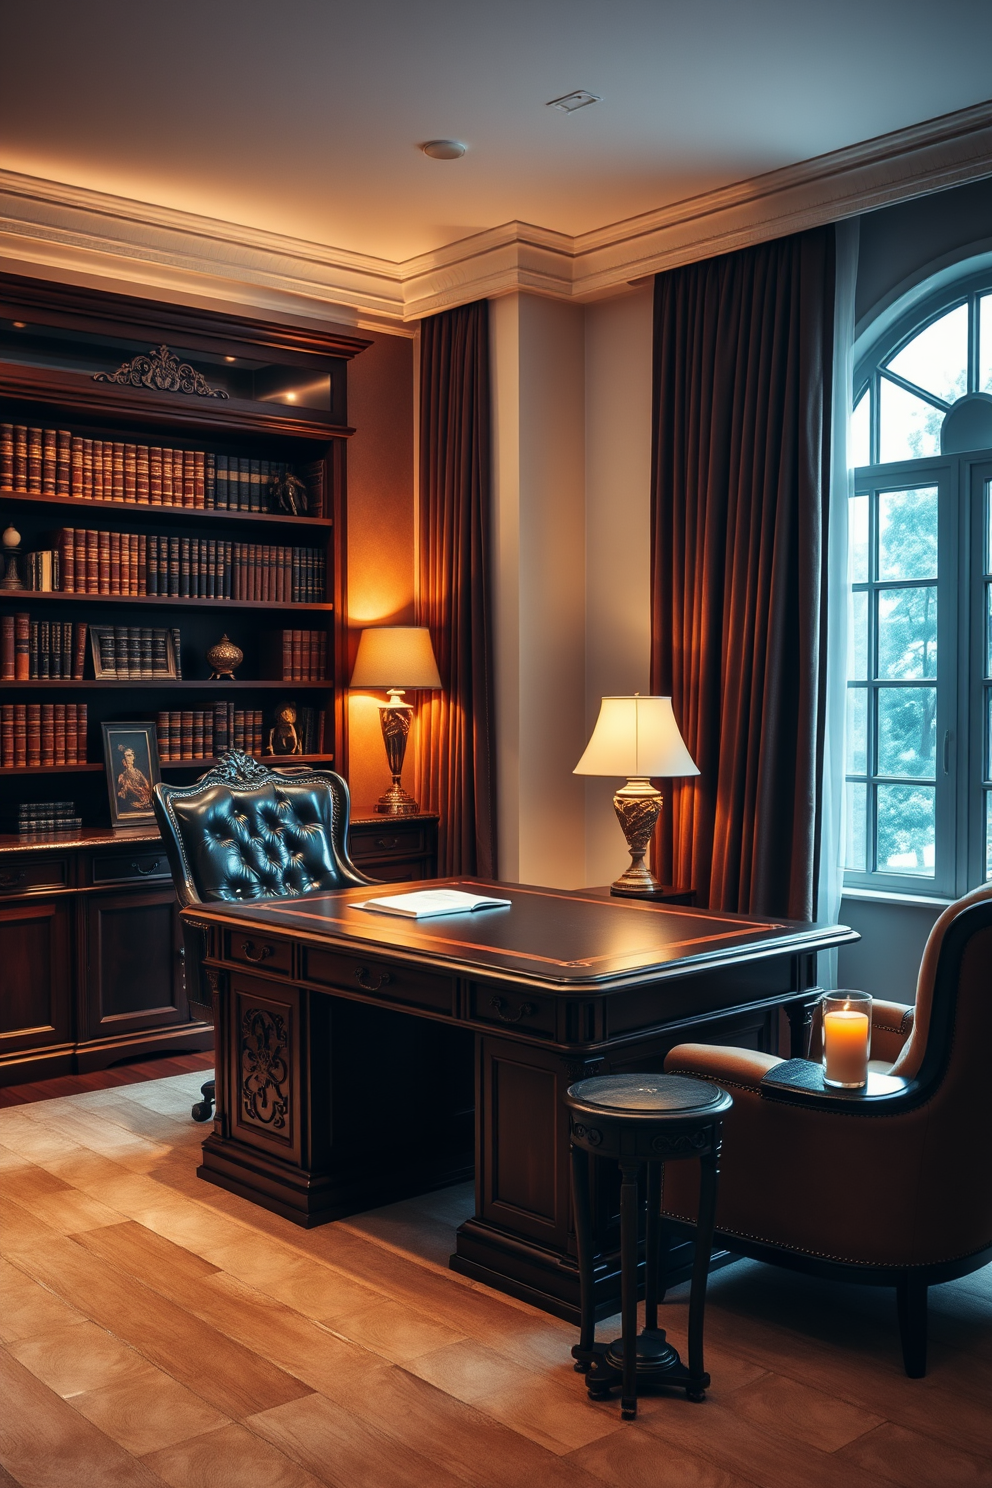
(223, 657)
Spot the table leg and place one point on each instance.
(584, 1249)
(708, 1174)
(629, 1209)
(652, 1244)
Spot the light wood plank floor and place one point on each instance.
(158, 1331)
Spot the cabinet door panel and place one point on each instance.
(133, 973)
(34, 975)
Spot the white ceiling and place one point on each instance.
(303, 117)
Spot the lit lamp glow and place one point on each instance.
(636, 737)
(846, 1039)
(395, 657)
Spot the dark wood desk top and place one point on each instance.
(553, 938)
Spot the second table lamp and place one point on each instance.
(395, 657)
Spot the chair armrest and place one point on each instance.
(743, 1068)
(891, 1025)
(800, 1082)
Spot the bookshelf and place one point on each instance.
(88, 929)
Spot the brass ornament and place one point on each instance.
(637, 811)
(395, 720)
(162, 371)
(223, 657)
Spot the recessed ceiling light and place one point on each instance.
(230, 359)
(572, 101)
(444, 149)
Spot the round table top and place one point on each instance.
(646, 1095)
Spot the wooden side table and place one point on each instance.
(643, 1120)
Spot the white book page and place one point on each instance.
(426, 903)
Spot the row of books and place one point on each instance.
(42, 734)
(304, 655)
(32, 649)
(47, 818)
(134, 564)
(56, 462)
(203, 733)
(137, 653)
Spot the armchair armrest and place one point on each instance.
(744, 1069)
(800, 1082)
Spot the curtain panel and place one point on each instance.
(456, 761)
(743, 348)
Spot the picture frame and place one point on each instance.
(130, 780)
(102, 650)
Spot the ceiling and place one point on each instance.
(304, 118)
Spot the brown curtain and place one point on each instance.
(742, 375)
(457, 745)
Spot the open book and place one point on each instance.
(427, 902)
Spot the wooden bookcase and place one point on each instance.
(76, 919)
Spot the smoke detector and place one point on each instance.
(444, 149)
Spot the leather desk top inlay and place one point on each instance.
(552, 936)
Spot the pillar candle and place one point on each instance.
(845, 1043)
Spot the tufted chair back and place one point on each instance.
(243, 831)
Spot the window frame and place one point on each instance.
(964, 484)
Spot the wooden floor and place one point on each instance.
(158, 1331)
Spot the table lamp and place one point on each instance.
(636, 737)
(395, 657)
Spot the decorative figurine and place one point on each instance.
(283, 738)
(11, 578)
(288, 494)
(223, 657)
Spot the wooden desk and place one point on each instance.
(346, 1043)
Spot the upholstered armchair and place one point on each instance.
(243, 831)
(892, 1187)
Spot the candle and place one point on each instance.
(845, 1046)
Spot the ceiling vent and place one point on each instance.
(572, 101)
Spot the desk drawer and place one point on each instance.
(129, 867)
(387, 841)
(402, 984)
(510, 1009)
(246, 948)
(27, 876)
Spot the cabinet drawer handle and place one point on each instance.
(11, 876)
(363, 979)
(386, 842)
(152, 867)
(525, 1010)
(248, 946)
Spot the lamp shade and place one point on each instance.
(395, 656)
(636, 737)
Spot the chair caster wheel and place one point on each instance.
(202, 1111)
(695, 1395)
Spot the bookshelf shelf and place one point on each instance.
(22, 597)
(86, 769)
(180, 514)
(164, 684)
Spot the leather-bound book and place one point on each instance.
(121, 666)
(34, 461)
(168, 494)
(108, 652)
(174, 565)
(22, 646)
(77, 471)
(294, 591)
(198, 734)
(257, 725)
(34, 734)
(162, 736)
(199, 481)
(186, 737)
(184, 567)
(125, 565)
(155, 475)
(20, 457)
(44, 649)
(244, 483)
(63, 462)
(67, 649)
(71, 734)
(116, 567)
(21, 734)
(296, 665)
(228, 569)
(189, 478)
(6, 736)
(34, 668)
(212, 592)
(7, 672)
(177, 653)
(255, 485)
(142, 475)
(83, 724)
(108, 471)
(117, 469)
(238, 731)
(175, 734)
(134, 657)
(130, 473)
(161, 641)
(220, 482)
(79, 651)
(194, 568)
(210, 481)
(322, 666)
(49, 462)
(98, 492)
(140, 561)
(87, 492)
(152, 564)
(58, 734)
(6, 457)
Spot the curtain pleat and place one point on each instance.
(456, 774)
(740, 464)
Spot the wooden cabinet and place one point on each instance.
(132, 970)
(35, 983)
(394, 848)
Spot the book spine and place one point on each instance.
(142, 471)
(152, 564)
(49, 462)
(175, 734)
(79, 652)
(63, 462)
(6, 736)
(162, 736)
(98, 492)
(34, 671)
(155, 475)
(134, 656)
(177, 653)
(115, 572)
(20, 735)
(189, 478)
(77, 468)
(184, 562)
(88, 492)
(130, 473)
(22, 647)
(83, 724)
(7, 460)
(34, 461)
(198, 734)
(44, 650)
(58, 732)
(174, 566)
(7, 672)
(210, 482)
(20, 457)
(220, 482)
(168, 491)
(186, 735)
(141, 562)
(34, 734)
(121, 653)
(199, 480)
(116, 470)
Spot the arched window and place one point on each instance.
(919, 717)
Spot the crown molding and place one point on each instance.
(78, 233)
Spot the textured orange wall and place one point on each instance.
(380, 536)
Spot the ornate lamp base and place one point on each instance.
(638, 806)
(395, 719)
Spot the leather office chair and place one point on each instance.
(244, 831)
(892, 1189)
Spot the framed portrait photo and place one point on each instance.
(130, 752)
